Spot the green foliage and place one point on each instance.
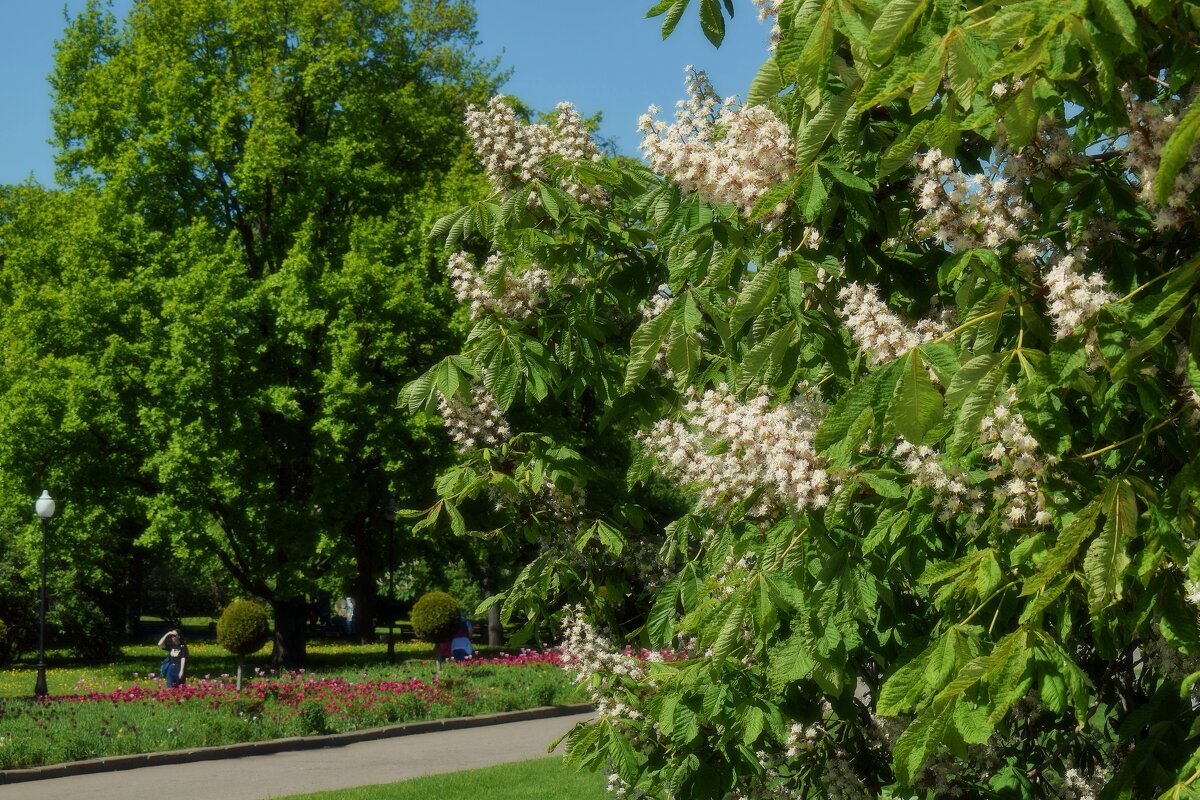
(243, 628)
(435, 617)
(208, 322)
(995, 589)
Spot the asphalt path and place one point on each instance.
(282, 774)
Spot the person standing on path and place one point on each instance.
(177, 656)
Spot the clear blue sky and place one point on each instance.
(600, 54)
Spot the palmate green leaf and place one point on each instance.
(922, 736)
(1107, 559)
(873, 392)
(731, 630)
(896, 21)
(916, 406)
(1065, 549)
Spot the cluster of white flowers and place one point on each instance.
(967, 212)
(618, 788)
(513, 151)
(564, 509)
(657, 303)
(596, 663)
(479, 423)
(521, 293)
(881, 334)
(1050, 153)
(1151, 125)
(1073, 297)
(1077, 786)
(730, 450)
(952, 490)
(769, 9)
(1018, 464)
(723, 153)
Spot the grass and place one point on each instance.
(543, 779)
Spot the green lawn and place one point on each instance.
(543, 779)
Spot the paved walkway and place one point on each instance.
(282, 774)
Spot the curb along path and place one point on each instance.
(260, 770)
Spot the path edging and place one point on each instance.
(268, 746)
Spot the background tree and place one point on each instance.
(914, 332)
(265, 171)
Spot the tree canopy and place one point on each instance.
(910, 337)
(244, 192)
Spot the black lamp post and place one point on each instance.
(391, 525)
(45, 510)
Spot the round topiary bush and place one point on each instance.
(435, 617)
(243, 628)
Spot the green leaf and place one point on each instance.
(1106, 559)
(917, 405)
(816, 130)
(712, 21)
(766, 84)
(1069, 541)
(901, 151)
(1116, 17)
(673, 16)
(644, 347)
(755, 295)
(897, 20)
(874, 392)
(977, 404)
(1176, 153)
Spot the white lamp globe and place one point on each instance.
(45, 505)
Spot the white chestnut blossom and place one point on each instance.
(880, 333)
(1018, 464)
(475, 424)
(1073, 297)
(723, 153)
(521, 293)
(599, 666)
(1078, 786)
(513, 151)
(729, 449)
(1051, 153)
(769, 9)
(953, 492)
(1151, 125)
(967, 212)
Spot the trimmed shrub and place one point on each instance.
(435, 617)
(243, 628)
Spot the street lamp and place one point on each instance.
(45, 510)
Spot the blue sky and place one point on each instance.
(600, 54)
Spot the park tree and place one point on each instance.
(909, 337)
(264, 172)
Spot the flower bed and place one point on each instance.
(148, 717)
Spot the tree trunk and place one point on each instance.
(239, 677)
(366, 560)
(290, 628)
(495, 629)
